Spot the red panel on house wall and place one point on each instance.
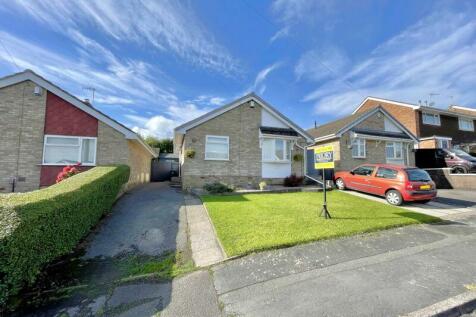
(49, 173)
(62, 118)
(65, 119)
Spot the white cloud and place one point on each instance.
(436, 55)
(217, 101)
(322, 63)
(166, 25)
(281, 33)
(162, 126)
(134, 81)
(261, 77)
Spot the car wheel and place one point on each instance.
(458, 170)
(340, 184)
(394, 197)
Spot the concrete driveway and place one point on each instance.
(144, 223)
(448, 203)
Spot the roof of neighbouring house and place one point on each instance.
(82, 105)
(334, 126)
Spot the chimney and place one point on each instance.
(86, 101)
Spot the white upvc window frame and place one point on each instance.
(395, 157)
(471, 122)
(80, 148)
(361, 144)
(434, 115)
(287, 152)
(227, 144)
(439, 143)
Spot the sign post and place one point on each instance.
(324, 159)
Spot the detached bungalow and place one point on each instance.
(371, 136)
(241, 144)
(43, 128)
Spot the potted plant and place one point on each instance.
(190, 153)
(263, 185)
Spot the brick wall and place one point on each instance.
(241, 125)
(22, 116)
(407, 116)
(139, 162)
(427, 144)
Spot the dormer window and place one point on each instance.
(431, 118)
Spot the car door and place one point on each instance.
(360, 178)
(384, 178)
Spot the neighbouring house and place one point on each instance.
(43, 128)
(372, 136)
(240, 144)
(435, 128)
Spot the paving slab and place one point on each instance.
(206, 249)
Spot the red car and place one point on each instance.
(395, 182)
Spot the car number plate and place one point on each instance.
(425, 186)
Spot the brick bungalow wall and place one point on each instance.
(24, 120)
(22, 117)
(243, 168)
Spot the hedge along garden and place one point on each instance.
(39, 226)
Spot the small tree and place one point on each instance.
(165, 145)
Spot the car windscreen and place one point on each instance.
(417, 175)
(461, 153)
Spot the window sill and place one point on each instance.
(219, 160)
(278, 162)
(433, 124)
(359, 157)
(466, 130)
(44, 164)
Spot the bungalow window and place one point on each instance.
(358, 148)
(443, 143)
(65, 150)
(394, 150)
(217, 148)
(431, 118)
(276, 150)
(466, 124)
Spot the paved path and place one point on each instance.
(388, 273)
(206, 249)
(445, 205)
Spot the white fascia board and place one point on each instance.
(463, 108)
(436, 137)
(381, 138)
(325, 137)
(409, 105)
(214, 113)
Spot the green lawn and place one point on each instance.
(252, 222)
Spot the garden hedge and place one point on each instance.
(39, 226)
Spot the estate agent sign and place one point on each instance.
(324, 159)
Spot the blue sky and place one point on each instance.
(156, 64)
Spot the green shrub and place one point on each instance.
(217, 188)
(293, 181)
(39, 226)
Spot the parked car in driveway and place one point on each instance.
(394, 182)
(458, 160)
